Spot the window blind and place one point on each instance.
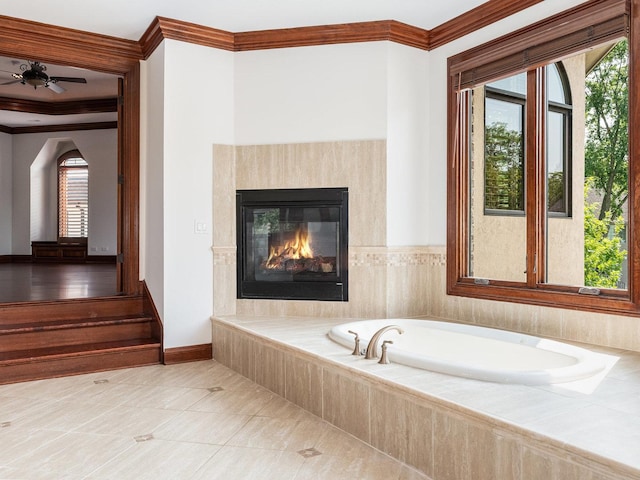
(588, 25)
(73, 203)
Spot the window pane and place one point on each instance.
(513, 84)
(504, 155)
(557, 139)
(607, 169)
(589, 248)
(497, 242)
(555, 87)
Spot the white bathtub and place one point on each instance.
(475, 352)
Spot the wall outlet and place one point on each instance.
(200, 227)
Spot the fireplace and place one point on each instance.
(292, 244)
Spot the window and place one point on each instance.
(559, 138)
(542, 165)
(73, 196)
(504, 108)
(504, 111)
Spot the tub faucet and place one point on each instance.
(356, 348)
(373, 343)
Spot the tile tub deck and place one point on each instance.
(447, 427)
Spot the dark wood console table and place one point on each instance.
(51, 251)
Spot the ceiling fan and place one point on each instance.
(33, 75)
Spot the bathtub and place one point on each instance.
(475, 352)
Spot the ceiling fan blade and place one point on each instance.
(68, 79)
(11, 82)
(55, 87)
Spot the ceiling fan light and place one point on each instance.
(35, 78)
(35, 82)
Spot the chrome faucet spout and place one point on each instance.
(372, 347)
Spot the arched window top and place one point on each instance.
(558, 90)
(72, 158)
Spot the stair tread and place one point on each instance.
(43, 354)
(44, 325)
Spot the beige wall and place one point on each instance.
(383, 281)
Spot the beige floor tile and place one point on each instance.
(374, 466)
(247, 400)
(129, 421)
(279, 434)
(58, 388)
(73, 454)
(18, 442)
(174, 398)
(31, 474)
(279, 407)
(63, 416)
(251, 463)
(14, 408)
(202, 427)
(157, 459)
(337, 443)
(192, 375)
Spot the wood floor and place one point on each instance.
(25, 282)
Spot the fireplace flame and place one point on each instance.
(295, 249)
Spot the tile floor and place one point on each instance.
(188, 421)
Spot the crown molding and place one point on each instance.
(56, 44)
(69, 127)
(73, 107)
(382, 30)
(475, 19)
(333, 34)
(162, 28)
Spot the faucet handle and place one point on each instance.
(383, 358)
(356, 348)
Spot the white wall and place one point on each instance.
(6, 193)
(408, 208)
(196, 115)
(43, 186)
(311, 94)
(99, 147)
(151, 179)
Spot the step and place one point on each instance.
(77, 359)
(51, 333)
(12, 314)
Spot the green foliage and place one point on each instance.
(504, 168)
(556, 192)
(603, 256)
(607, 137)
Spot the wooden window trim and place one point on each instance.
(567, 33)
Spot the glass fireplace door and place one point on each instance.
(291, 248)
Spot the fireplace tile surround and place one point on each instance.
(385, 281)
